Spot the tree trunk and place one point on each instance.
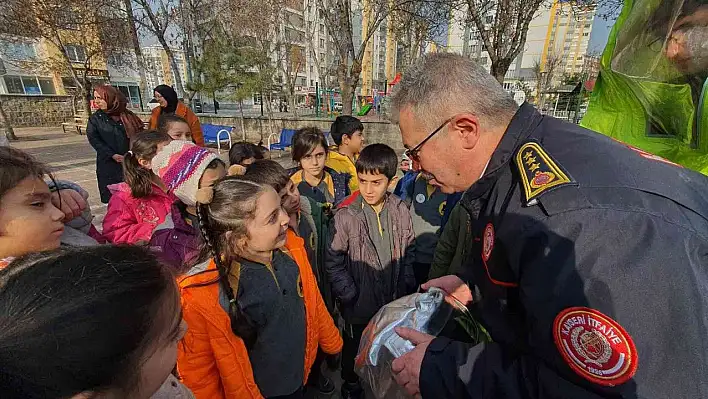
(138, 53)
(499, 69)
(86, 98)
(5, 122)
(173, 63)
(243, 125)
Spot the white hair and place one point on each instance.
(443, 84)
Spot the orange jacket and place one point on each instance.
(185, 113)
(213, 362)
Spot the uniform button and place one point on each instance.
(285, 292)
(174, 237)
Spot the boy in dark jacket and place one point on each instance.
(428, 208)
(370, 254)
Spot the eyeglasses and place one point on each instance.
(413, 152)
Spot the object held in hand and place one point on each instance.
(427, 312)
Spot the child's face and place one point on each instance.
(267, 229)
(314, 162)
(355, 142)
(180, 131)
(210, 176)
(28, 220)
(373, 187)
(290, 198)
(147, 162)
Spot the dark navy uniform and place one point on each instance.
(589, 269)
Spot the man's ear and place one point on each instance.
(346, 139)
(466, 127)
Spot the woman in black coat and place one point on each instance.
(109, 132)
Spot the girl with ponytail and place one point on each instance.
(255, 315)
(142, 202)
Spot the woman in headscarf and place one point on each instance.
(170, 105)
(109, 132)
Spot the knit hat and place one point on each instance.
(180, 165)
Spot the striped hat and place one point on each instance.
(180, 165)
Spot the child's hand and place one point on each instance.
(70, 202)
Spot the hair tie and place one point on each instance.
(205, 195)
(131, 152)
(236, 170)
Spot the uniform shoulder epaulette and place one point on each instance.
(539, 172)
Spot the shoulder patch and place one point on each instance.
(596, 347)
(539, 171)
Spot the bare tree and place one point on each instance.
(416, 22)
(338, 18)
(80, 35)
(545, 72)
(140, 63)
(502, 26)
(157, 17)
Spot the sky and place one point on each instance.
(600, 32)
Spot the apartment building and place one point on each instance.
(560, 32)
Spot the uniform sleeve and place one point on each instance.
(120, 225)
(447, 246)
(94, 138)
(633, 269)
(343, 285)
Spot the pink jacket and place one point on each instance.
(131, 220)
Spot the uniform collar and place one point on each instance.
(522, 124)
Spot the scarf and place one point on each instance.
(170, 95)
(117, 110)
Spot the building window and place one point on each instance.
(20, 51)
(30, 85)
(14, 85)
(69, 83)
(322, 43)
(47, 86)
(312, 82)
(322, 29)
(586, 34)
(76, 53)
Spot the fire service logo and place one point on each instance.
(595, 346)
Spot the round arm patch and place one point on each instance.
(596, 347)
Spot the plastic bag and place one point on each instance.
(426, 312)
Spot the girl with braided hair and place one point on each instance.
(255, 315)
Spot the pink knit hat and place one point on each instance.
(180, 165)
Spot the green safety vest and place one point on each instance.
(625, 102)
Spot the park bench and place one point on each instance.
(79, 123)
(217, 134)
(285, 140)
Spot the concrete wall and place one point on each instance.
(28, 111)
(258, 129)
